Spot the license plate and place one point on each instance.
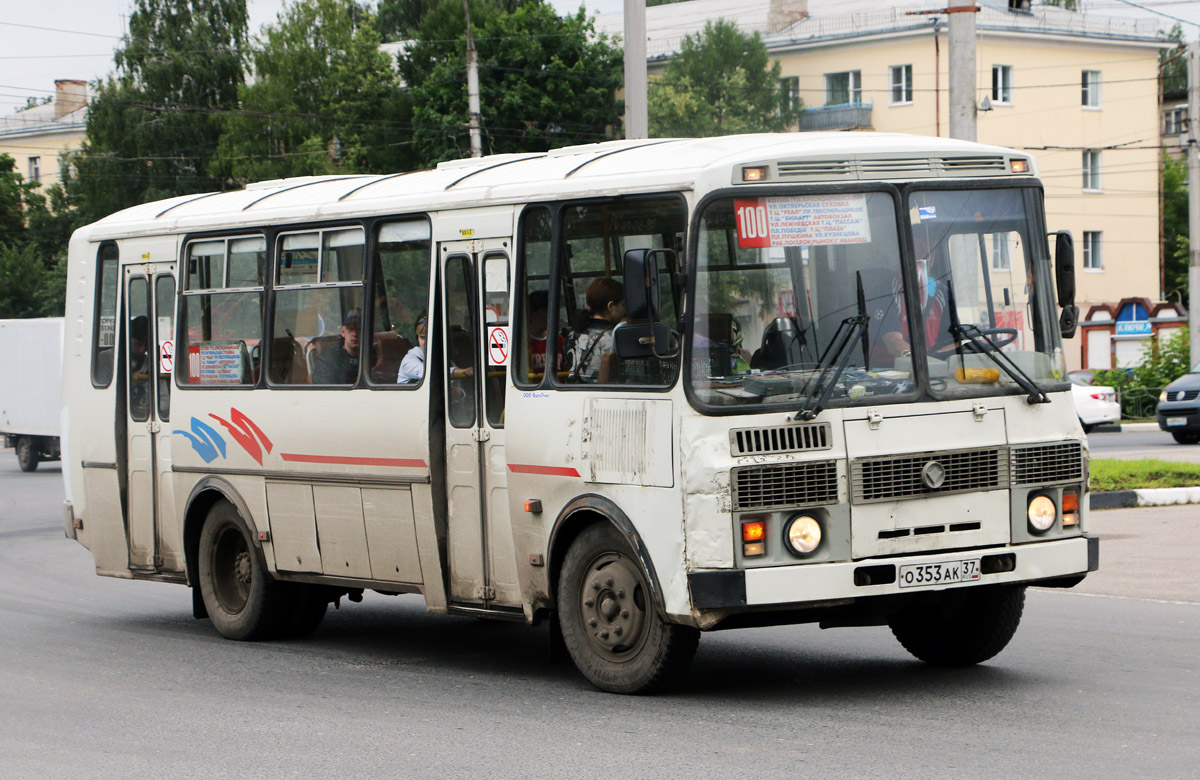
(1173, 422)
(939, 573)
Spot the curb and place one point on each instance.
(1120, 499)
(1118, 427)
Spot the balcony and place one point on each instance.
(840, 116)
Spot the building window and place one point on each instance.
(902, 90)
(1175, 121)
(1091, 88)
(1001, 254)
(35, 168)
(844, 87)
(789, 93)
(1002, 84)
(1093, 257)
(1091, 169)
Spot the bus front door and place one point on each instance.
(147, 365)
(483, 572)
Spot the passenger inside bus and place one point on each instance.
(340, 366)
(592, 340)
(412, 368)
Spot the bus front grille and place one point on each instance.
(928, 473)
(780, 438)
(785, 484)
(1047, 463)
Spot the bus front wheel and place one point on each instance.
(610, 625)
(961, 627)
(241, 598)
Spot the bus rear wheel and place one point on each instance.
(962, 627)
(27, 454)
(241, 598)
(610, 625)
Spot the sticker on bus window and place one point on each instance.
(927, 212)
(810, 220)
(215, 364)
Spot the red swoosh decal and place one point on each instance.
(550, 471)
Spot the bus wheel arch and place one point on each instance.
(205, 494)
(609, 605)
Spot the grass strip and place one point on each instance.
(1108, 475)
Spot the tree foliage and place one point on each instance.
(1166, 360)
(721, 82)
(152, 128)
(324, 100)
(1175, 227)
(33, 242)
(545, 81)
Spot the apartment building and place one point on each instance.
(35, 137)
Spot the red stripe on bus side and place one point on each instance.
(408, 463)
(550, 471)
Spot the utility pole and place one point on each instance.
(1193, 158)
(962, 71)
(473, 87)
(637, 121)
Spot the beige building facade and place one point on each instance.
(35, 137)
(1079, 92)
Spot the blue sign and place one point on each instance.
(1134, 328)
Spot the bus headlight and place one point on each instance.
(1041, 513)
(803, 535)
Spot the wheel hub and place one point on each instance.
(242, 568)
(615, 623)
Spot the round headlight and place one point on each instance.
(803, 534)
(1042, 513)
(1162, 396)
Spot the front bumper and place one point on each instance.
(1173, 411)
(805, 584)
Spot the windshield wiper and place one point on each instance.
(838, 351)
(983, 344)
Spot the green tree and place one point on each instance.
(1175, 227)
(721, 82)
(545, 81)
(28, 287)
(325, 99)
(153, 126)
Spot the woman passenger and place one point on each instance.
(593, 336)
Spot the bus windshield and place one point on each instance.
(803, 300)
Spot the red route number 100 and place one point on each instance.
(752, 228)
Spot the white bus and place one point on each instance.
(834, 391)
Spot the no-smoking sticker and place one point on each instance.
(497, 346)
(166, 357)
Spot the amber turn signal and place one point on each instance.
(754, 532)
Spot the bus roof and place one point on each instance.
(625, 166)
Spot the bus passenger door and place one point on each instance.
(475, 303)
(149, 340)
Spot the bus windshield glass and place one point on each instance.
(802, 301)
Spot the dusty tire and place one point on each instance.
(241, 598)
(1183, 437)
(965, 627)
(27, 454)
(610, 625)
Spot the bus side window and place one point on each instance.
(400, 274)
(531, 345)
(220, 316)
(104, 326)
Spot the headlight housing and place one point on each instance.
(802, 535)
(1042, 513)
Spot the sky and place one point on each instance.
(45, 40)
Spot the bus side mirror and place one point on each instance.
(1064, 278)
(641, 282)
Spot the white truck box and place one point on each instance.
(31, 354)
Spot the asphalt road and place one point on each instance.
(1140, 445)
(105, 678)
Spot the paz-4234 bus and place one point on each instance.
(833, 390)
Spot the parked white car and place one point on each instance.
(1095, 404)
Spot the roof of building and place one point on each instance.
(833, 20)
(41, 119)
(626, 166)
